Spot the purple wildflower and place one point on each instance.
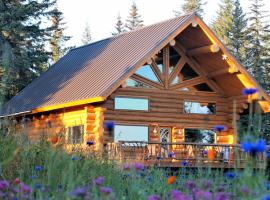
(190, 184)
(159, 157)
(73, 158)
(4, 185)
(171, 154)
(221, 196)
(266, 197)
(257, 147)
(205, 152)
(38, 186)
(139, 166)
(90, 143)
(49, 123)
(38, 168)
(177, 195)
(126, 166)
(109, 127)
(25, 188)
(154, 197)
(245, 190)
(184, 163)
(203, 195)
(219, 128)
(249, 91)
(99, 180)
(230, 175)
(79, 192)
(105, 190)
(207, 184)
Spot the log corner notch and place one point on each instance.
(203, 50)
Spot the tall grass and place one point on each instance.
(52, 173)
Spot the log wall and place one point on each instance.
(166, 110)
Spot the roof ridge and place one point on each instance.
(128, 32)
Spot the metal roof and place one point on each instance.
(92, 70)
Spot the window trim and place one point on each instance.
(132, 97)
(186, 100)
(141, 125)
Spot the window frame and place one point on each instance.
(139, 125)
(82, 129)
(186, 100)
(132, 97)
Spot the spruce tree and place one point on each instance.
(119, 26)
(23, 38)
(134, 19)
(258, 53)
(223, 24)
(86, 36)
(58, 38)
(238, 32)
(192, 6)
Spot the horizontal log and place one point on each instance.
(203, 50)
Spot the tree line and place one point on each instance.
(32, 37)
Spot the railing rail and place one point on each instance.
(170, 154)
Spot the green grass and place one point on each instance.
(61, 173)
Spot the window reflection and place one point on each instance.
(147, 72)
(133, 83)
(199, 107)
(199, 136)
(126, 103)
(130, 133)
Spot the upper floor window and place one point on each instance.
(199, 107)
(147, 72)
(127, 103)
(75, 134)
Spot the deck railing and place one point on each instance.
(182, 154)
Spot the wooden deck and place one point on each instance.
(181, 154)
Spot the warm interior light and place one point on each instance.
(179, 131)
(224, 57)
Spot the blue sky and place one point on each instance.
(101, 14)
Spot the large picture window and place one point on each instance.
(75, 134)
(130, 133)
(199, 136)
(199, 107)
(126, 103)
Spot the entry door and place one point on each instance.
(164, 134)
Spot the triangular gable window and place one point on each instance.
(174, 58)
(188, 72)
(147, 72)
(133, 83)
(203, 87)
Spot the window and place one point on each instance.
(133, 83)
(75, 134)
(188, 73)
(199, 136)
(203, 87)
(125, 103)
(199, 107)
(147, 72)
(130, 133)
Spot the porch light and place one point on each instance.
(179, 132)
(155, 130)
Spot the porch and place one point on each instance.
(181, 154)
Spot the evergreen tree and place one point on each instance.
(58, 38)
(223, 24)
(23, 38)
(238, 32)
(134, 19)
(86, 36)
(258, 53)
(119, 26)
(192, 6)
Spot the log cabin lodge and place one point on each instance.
(161, 85)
